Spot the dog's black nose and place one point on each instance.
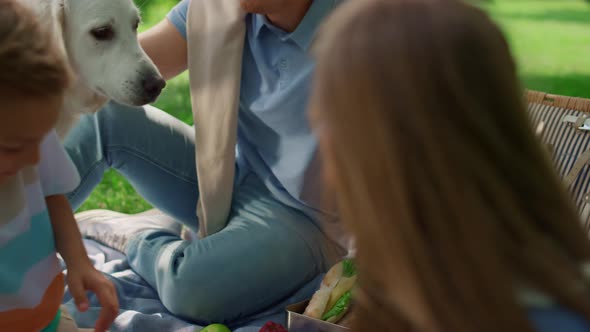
(153, 87)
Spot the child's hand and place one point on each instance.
(85, 277)
(82, 276)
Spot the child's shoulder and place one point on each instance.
(556, 318)
(50, 142)
(57, 172)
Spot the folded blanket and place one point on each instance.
(141, 309)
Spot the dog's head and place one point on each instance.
(101, 41)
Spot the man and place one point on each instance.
(259, 180)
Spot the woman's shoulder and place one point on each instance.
(553, 319)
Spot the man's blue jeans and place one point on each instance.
(267, 251)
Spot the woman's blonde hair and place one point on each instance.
(30, 61)
(453, 203)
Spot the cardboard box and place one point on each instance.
(297, 322)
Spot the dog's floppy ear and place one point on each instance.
(59, 13)
(52, 17)
(58, 21)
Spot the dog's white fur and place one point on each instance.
(105, 69)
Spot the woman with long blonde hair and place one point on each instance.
(460, 221)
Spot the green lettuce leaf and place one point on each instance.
(339, 307)
(348, 268)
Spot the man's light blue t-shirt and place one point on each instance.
(274, 137)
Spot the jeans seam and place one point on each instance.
(84, 179)
(146, 158)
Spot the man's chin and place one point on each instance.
(261, 7)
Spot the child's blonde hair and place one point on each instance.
(31, 63)
(453, 203)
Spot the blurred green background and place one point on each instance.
(550, 40)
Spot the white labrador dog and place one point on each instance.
(99, 38)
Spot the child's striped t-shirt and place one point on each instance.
(31, 282)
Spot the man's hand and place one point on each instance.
(84, 277)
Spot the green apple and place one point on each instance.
(216, 328)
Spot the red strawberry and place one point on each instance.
(273, 327)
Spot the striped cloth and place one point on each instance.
(31, 282)
(567, 145)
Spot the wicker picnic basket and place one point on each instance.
(563, 123)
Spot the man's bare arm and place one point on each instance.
(167, 48)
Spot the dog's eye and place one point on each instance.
(103, 33)
(136, 25)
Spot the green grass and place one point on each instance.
(550, 39)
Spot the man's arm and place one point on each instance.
(167, 48)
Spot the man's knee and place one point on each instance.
(119, 118)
